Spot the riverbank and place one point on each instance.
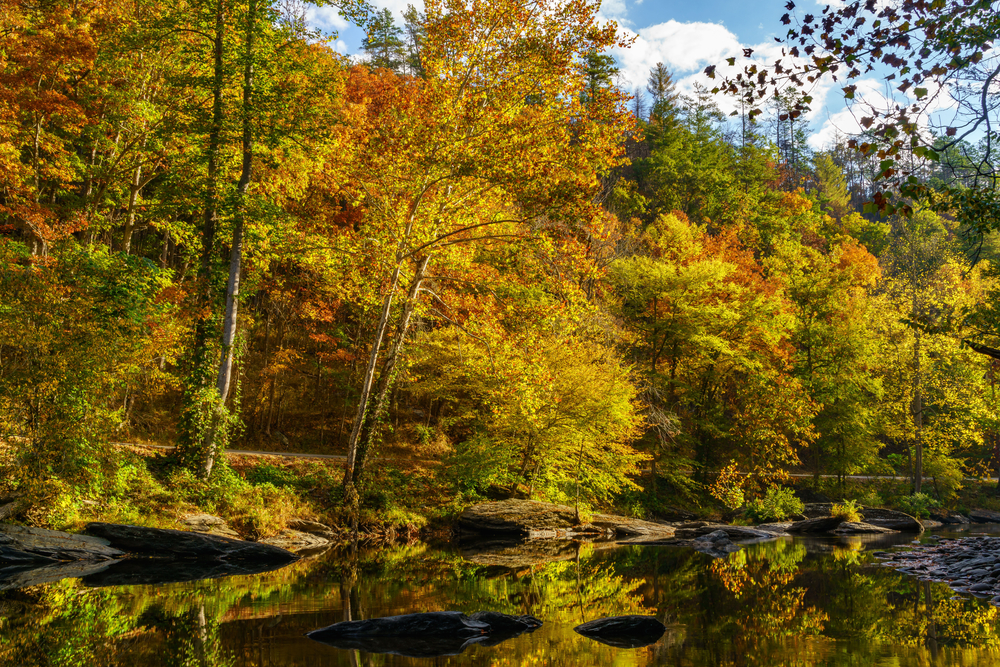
(259, 497)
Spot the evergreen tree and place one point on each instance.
(664, 95)
(831, 185)
(384, 43)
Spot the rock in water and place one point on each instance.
(534, 519)
(984, 516)
(164, 543)
(506, 623)
(53, 545)
(428, 624)
(853, 528)
(519, 517)
(623, 631)
(817, 525)
(891, 519)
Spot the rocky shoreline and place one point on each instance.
(968, 564)
(533, 523)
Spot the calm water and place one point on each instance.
(801, 603)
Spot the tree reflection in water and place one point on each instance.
(780, 603)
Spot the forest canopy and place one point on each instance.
(471, 247)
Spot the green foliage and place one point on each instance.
(918, 504)
(555, 417)
(777, 504)
(871, 498)
(848, 510)
(79, 330)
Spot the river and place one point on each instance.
(794, 602)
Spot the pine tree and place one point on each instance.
(384, 43)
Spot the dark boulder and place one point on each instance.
(818, 525)
(165, 543)
(623, 631)
(506, 623)
(428, 624)
(984, 516)
(900, 521)
(948, 517)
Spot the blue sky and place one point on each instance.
(686, 36)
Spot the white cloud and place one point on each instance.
(682, 47)
(326, 18)
(614, 10)
(688, 48)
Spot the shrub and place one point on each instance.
(728, 487)
(918, 504)
(846, 511)
(777, 504)
(871, 498)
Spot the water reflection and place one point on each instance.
(804, 602)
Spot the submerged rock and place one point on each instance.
(22, 576)
(626, 527)
(429, 624)
(165, 543)
(623, 631)
(737, 533)
(514, 553)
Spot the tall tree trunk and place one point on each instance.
(369, 430)
(199, 372)
(917, 407)
(366, 384)
(225, 375)
(133, 194)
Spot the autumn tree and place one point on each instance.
(503, 147)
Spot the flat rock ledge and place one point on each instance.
(533, 519)
(968, 565)
(112, 554)
(166, 543)
(872, 516)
